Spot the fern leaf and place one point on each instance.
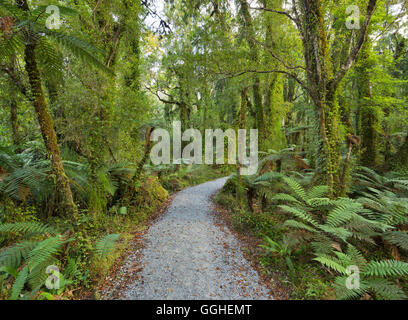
(19, 283)
(318, 192)
(386, 290)
(44, 251)
(300, 214)
(343, 213)
(105, 245)
(13, 256)
(399, 238)
(298, 225)
(26, 228)
(285, 197)
(386, 268)
(296, 188)
(331, 263)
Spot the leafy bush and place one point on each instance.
(27, 261)
(375, 277)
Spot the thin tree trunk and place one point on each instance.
(47, 130)
(14, 121)
(368, 115)
(256, 87)
(241, 125)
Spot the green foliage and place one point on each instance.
(374, 277)
(105, 245)
(27, 261)
(284, 249)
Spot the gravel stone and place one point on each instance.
(187, 257)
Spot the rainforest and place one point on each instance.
(286, 123)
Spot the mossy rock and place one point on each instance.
(150, 195)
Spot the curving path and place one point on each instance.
(187, 257)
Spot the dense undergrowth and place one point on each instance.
(315, 242)
(82, 248)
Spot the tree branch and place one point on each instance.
(160, 98)
(292, 75)
(357, 48)
(275, 11)
(276, 57)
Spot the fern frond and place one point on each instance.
(268, 177)
(13, 256)
(386, 290)
(79, 48)
(322, 245)
(19, 283)
(44, 251)
(318, 192)
(343, 293)
(398, 238)
(298, 225)
(331, 263)
(105, 245)
(386, 268)
(285, 197)
(356, 256)
(296, 188)
(340, 233)
(26, 228)
(300, 214)
(343, 213)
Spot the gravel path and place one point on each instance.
(187, 257)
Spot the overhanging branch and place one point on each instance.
(356, 49)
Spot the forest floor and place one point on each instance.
(185, 254)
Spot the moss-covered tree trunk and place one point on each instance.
(63, 189)
(324, 78)
(241, 125)
(369, 120)
(327, 113)
(249, 33)
(273, 102)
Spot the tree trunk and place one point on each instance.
(368, 113)
(241, 125)
(402, 155)
(14, 121)
(324, 82)
(256, 87)
(47, 130)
